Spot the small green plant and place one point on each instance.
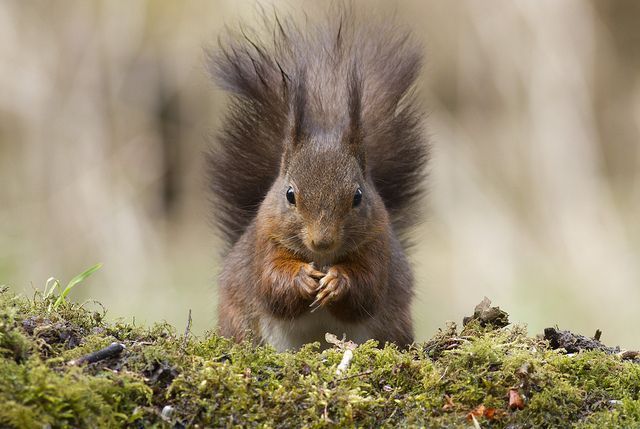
(53, 284)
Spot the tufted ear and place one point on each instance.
(297, 124)
(353, 139)
(297, 111)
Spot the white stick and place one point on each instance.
(345, 362)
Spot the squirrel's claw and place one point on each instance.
(307, 285)
(319, 303)
(332, 286)
(307, 280)
(313, 272)
(314, 305)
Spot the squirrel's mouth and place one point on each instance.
(324, 253)
(322, 250)
(321, 245)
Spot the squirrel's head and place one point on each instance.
(324, 201)
(323, 204)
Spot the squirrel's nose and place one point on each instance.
(322, 243)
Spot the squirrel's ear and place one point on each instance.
(353, 139)
(296, 128)
(298, 107)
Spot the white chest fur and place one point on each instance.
(292, 334)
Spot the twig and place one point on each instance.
(476, 425)
(187, 331)
(347, 357)
(443, 374)
(360, 374)
(113, 350)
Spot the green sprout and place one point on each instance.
(53, 284)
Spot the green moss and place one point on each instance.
(215, 382)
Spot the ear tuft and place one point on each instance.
(355, 135)
(298, 110)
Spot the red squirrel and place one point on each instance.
(316, 178)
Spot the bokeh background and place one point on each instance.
(534, 189)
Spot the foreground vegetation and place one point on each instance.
(484, 375)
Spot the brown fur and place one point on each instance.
(327, 111)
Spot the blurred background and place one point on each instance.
(534, 189)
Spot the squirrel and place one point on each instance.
(316, 178)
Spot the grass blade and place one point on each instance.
(74, 282)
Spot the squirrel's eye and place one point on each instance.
(357, 198)
(291, 196)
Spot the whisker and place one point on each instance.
(365, 310)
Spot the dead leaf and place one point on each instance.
(515, 400)
(630, 355)
(490, 413)
(342, 344)
(482, 411)
(448, 403)
(487, 315)
(476, 412)
(525, 370)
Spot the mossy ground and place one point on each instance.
(212, 382)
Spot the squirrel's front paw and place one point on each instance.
(332, 286)
(307, 280)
